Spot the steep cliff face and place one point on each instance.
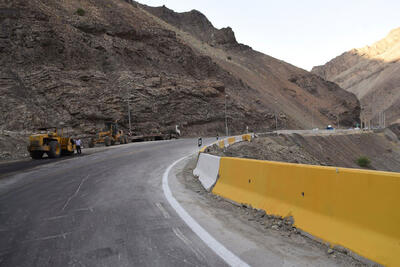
(58, 66)
(78, 70)
(372, 73)
(196, 24)
(297, 95)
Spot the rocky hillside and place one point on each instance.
(372, 73)
(58, 66)
(296, 95)
(78, 62)
(341, 150)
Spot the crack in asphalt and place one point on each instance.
(74, 194)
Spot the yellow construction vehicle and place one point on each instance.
(52, 143)
(109, 136)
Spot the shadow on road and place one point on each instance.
(20, 165)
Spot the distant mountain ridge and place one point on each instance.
(372, 73)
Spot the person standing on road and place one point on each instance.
(199, 142)
(78, 144)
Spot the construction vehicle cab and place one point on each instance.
(51, 142)
(110, 135)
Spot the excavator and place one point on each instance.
(109, 136)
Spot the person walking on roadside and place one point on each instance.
(199, 142)
(78, 144)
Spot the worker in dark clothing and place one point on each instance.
(199, 142)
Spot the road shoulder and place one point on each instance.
(244, 232)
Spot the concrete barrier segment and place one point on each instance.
(247, 137)
(203, 149)
(221, 144)
(231, 140)
(355, 209)
(207, 170)
(238, 139)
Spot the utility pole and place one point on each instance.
(276, 118)
(129, 116)
(128, 85)
(226, 119)
(384, 119)
(312, 116)
(362, 117)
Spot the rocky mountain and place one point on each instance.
(80, 62)
(372, 73)
(301, 99)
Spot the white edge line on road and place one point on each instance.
(210, 241)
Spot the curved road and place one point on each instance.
(102, 209)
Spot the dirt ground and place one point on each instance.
(267, 228)
(342, 150)
(13, 145)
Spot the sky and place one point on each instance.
(305, 33)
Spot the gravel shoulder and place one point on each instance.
(256, 237)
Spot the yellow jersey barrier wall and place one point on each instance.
(229, 141)
(356, 209)
(221, 144)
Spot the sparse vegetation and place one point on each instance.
(80, 12)
(363, 161)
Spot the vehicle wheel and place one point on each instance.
(55, 150)
(91, 143)
(107, 141)
(36, 154)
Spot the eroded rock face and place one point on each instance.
(298, 95)
(195, 23)
(81, 70)
(347, 109)
(372, 73)
(59, 67)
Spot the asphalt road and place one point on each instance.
(102, 209)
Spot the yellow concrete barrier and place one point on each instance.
(231, 140)
(203, 149)
(356, 209)
(246, 137)
(221, 144)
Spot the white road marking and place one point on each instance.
(210, 241)
(63, 235)
(76, 192)
(189, 244)
(163, 211)
(83, 209)
(56, 217)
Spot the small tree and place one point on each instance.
(363, 161)
(80, 12)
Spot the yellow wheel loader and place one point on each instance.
(109, 136)
(52, 143)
